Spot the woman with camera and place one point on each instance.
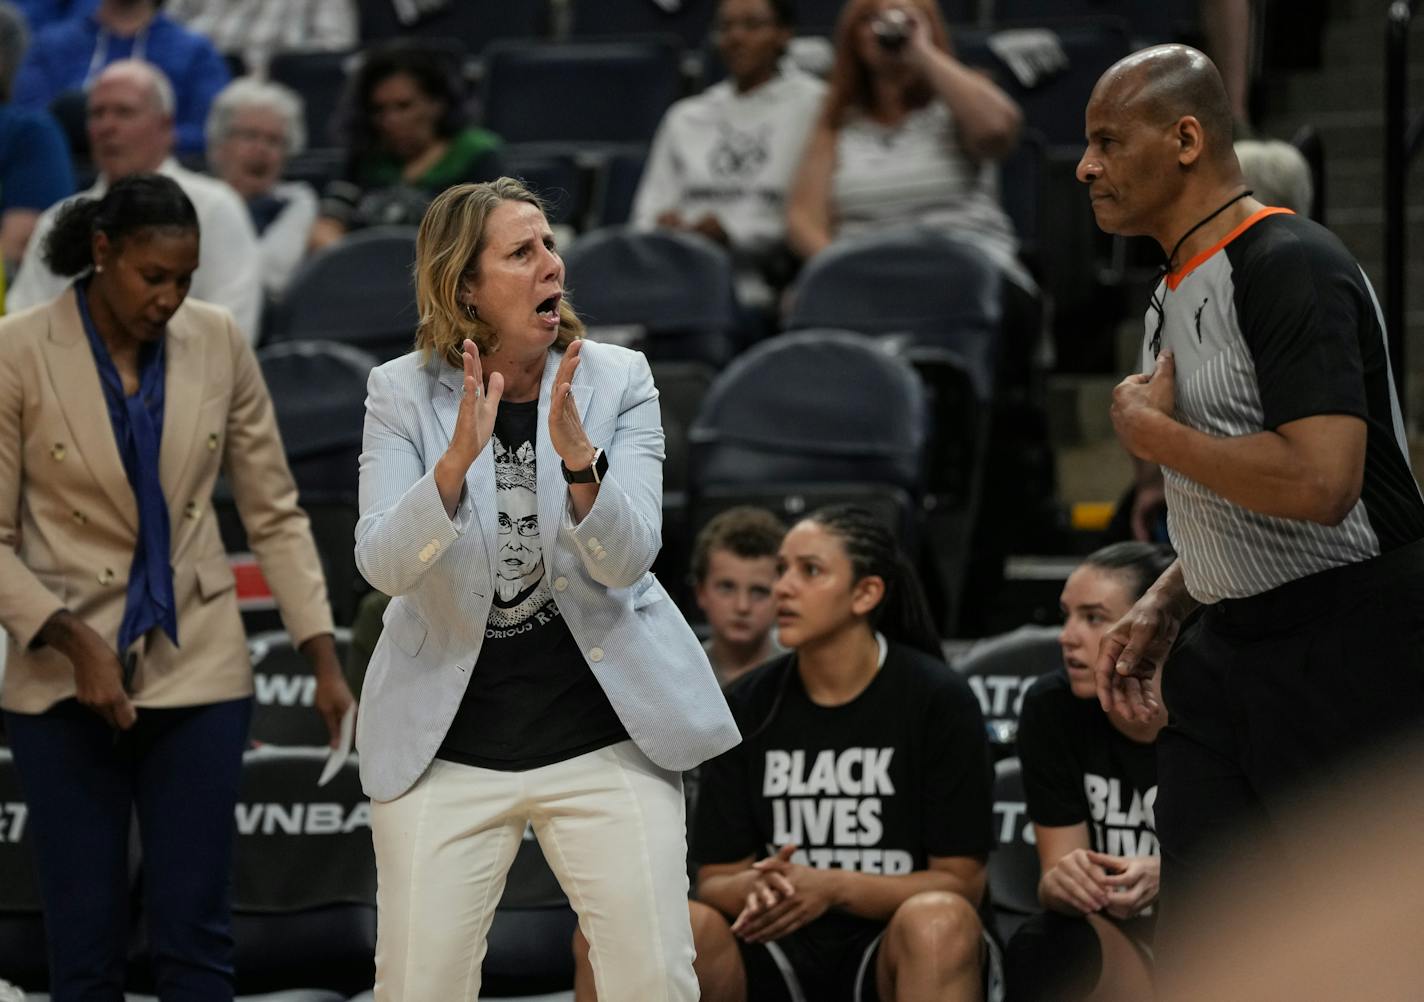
(908, 134)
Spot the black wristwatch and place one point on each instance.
(595, 473)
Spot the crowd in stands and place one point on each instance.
(885, 765)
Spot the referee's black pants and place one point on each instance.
(1271, 695)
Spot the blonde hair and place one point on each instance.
(447, 252)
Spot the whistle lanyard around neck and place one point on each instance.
(1160, 305)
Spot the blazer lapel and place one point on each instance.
(75, 377)
(479, 480)
(183, 387)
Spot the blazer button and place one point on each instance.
(601, 555)
(57, 451)
(106, 576)
(596, 654)
(561, 584)
(212, 441)
(592, 544)
(190, 511)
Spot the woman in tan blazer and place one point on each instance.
(128, 684)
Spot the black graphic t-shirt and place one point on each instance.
(1079, 768)
(532, 699)
(877, 785)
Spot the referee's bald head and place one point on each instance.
(1165, 83)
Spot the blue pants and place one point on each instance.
(179, 768)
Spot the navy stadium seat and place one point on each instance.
(618, 182)
(667, 293)
(304, 875)
(358, 291)
(1000, 670)
(591, 93)
(555, 177)
(893, 282)
(475, 23)
(320, 79)
(690, 20)
(812, 418)
(1013, 863)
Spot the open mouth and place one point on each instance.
(548, 309)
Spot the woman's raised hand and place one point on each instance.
(565, 426)
(473, 426)
(475, 422)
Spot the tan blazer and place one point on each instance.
(69, 521)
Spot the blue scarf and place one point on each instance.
(138, 428)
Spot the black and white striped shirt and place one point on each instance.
(1277, 323)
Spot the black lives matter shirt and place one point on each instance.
(1079, 768)
(877, 785)
(532, 699)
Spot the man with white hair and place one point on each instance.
(131, 132)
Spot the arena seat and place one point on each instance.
(590, 93)
(555, 177)
(285, 689)
(358, 292)
(894, 282)
(1021, 176)
(667, 293)
(617, 186)
(304, 875)
(811, 418)
(474, 24)
(1013, 863)
(320, 79)
(820, 15)
(1000, 670)
(690, 21)
(1149, 20)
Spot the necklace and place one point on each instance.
(1160, 304)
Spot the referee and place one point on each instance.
(1266, 397)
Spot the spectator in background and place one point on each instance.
(253, 128)
(1278, 173)
(42, 13)
(842, 844)
(733, 572)
(1090, 778)
(257, 30)
(34, 158)
(131, 132)
(409, 142)
(908, 134)
(722, 161)
(69, 56)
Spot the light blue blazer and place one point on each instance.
(440, 572)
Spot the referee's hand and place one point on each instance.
(1131, 654)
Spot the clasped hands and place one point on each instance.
(1090, 882)
(784, 897)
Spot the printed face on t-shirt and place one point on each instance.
(520, 564)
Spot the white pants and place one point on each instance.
(610, 824)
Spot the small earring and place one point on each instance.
(98, 269)
(470, 311)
